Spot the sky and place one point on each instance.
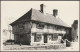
(68, 11)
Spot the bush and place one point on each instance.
(10, 40)
(62, 41)
(68, 43)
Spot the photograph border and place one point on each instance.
(43, 50)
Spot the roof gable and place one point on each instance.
(23, 18)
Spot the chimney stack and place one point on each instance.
(55, 12)
(42, 8)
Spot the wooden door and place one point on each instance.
(45, 38)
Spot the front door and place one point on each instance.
(45, 38)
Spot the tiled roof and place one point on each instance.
(36, 15)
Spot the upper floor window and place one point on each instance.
(40, 26)
(21, 26)
(53, 27)
(48, 26)
(58, 28)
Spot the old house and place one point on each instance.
(36, 28)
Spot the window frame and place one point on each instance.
(21, 26)
(37, 37)
(40, 26)
(55, 37)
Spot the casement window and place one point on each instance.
(37, 37)
(59, 27)
(56, 27)
(55, 37)
(61, 35)
(40, 26)
(51, 27)
(48, 26)
(21, 26)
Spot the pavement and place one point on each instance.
(74, 47)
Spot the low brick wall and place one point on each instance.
(54, 46)
(39, 47)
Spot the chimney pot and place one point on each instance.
(55, 11)
(42, 8)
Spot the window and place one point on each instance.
(40, 26)
(55, 37)
(48, 26)
(37, 37)
(56, 27)
(21, 26)
(53, 27)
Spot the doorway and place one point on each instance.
(45, 38)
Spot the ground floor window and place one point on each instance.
(54, 37)
(37, 37)
(61, 35)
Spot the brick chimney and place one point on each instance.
(55, 12)
(42, 8)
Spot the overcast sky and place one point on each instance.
(68, 11)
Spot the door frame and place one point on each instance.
(45, 38)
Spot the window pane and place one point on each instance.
(40, 26)
(55, 36)
(37, 37)
(21, 26)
